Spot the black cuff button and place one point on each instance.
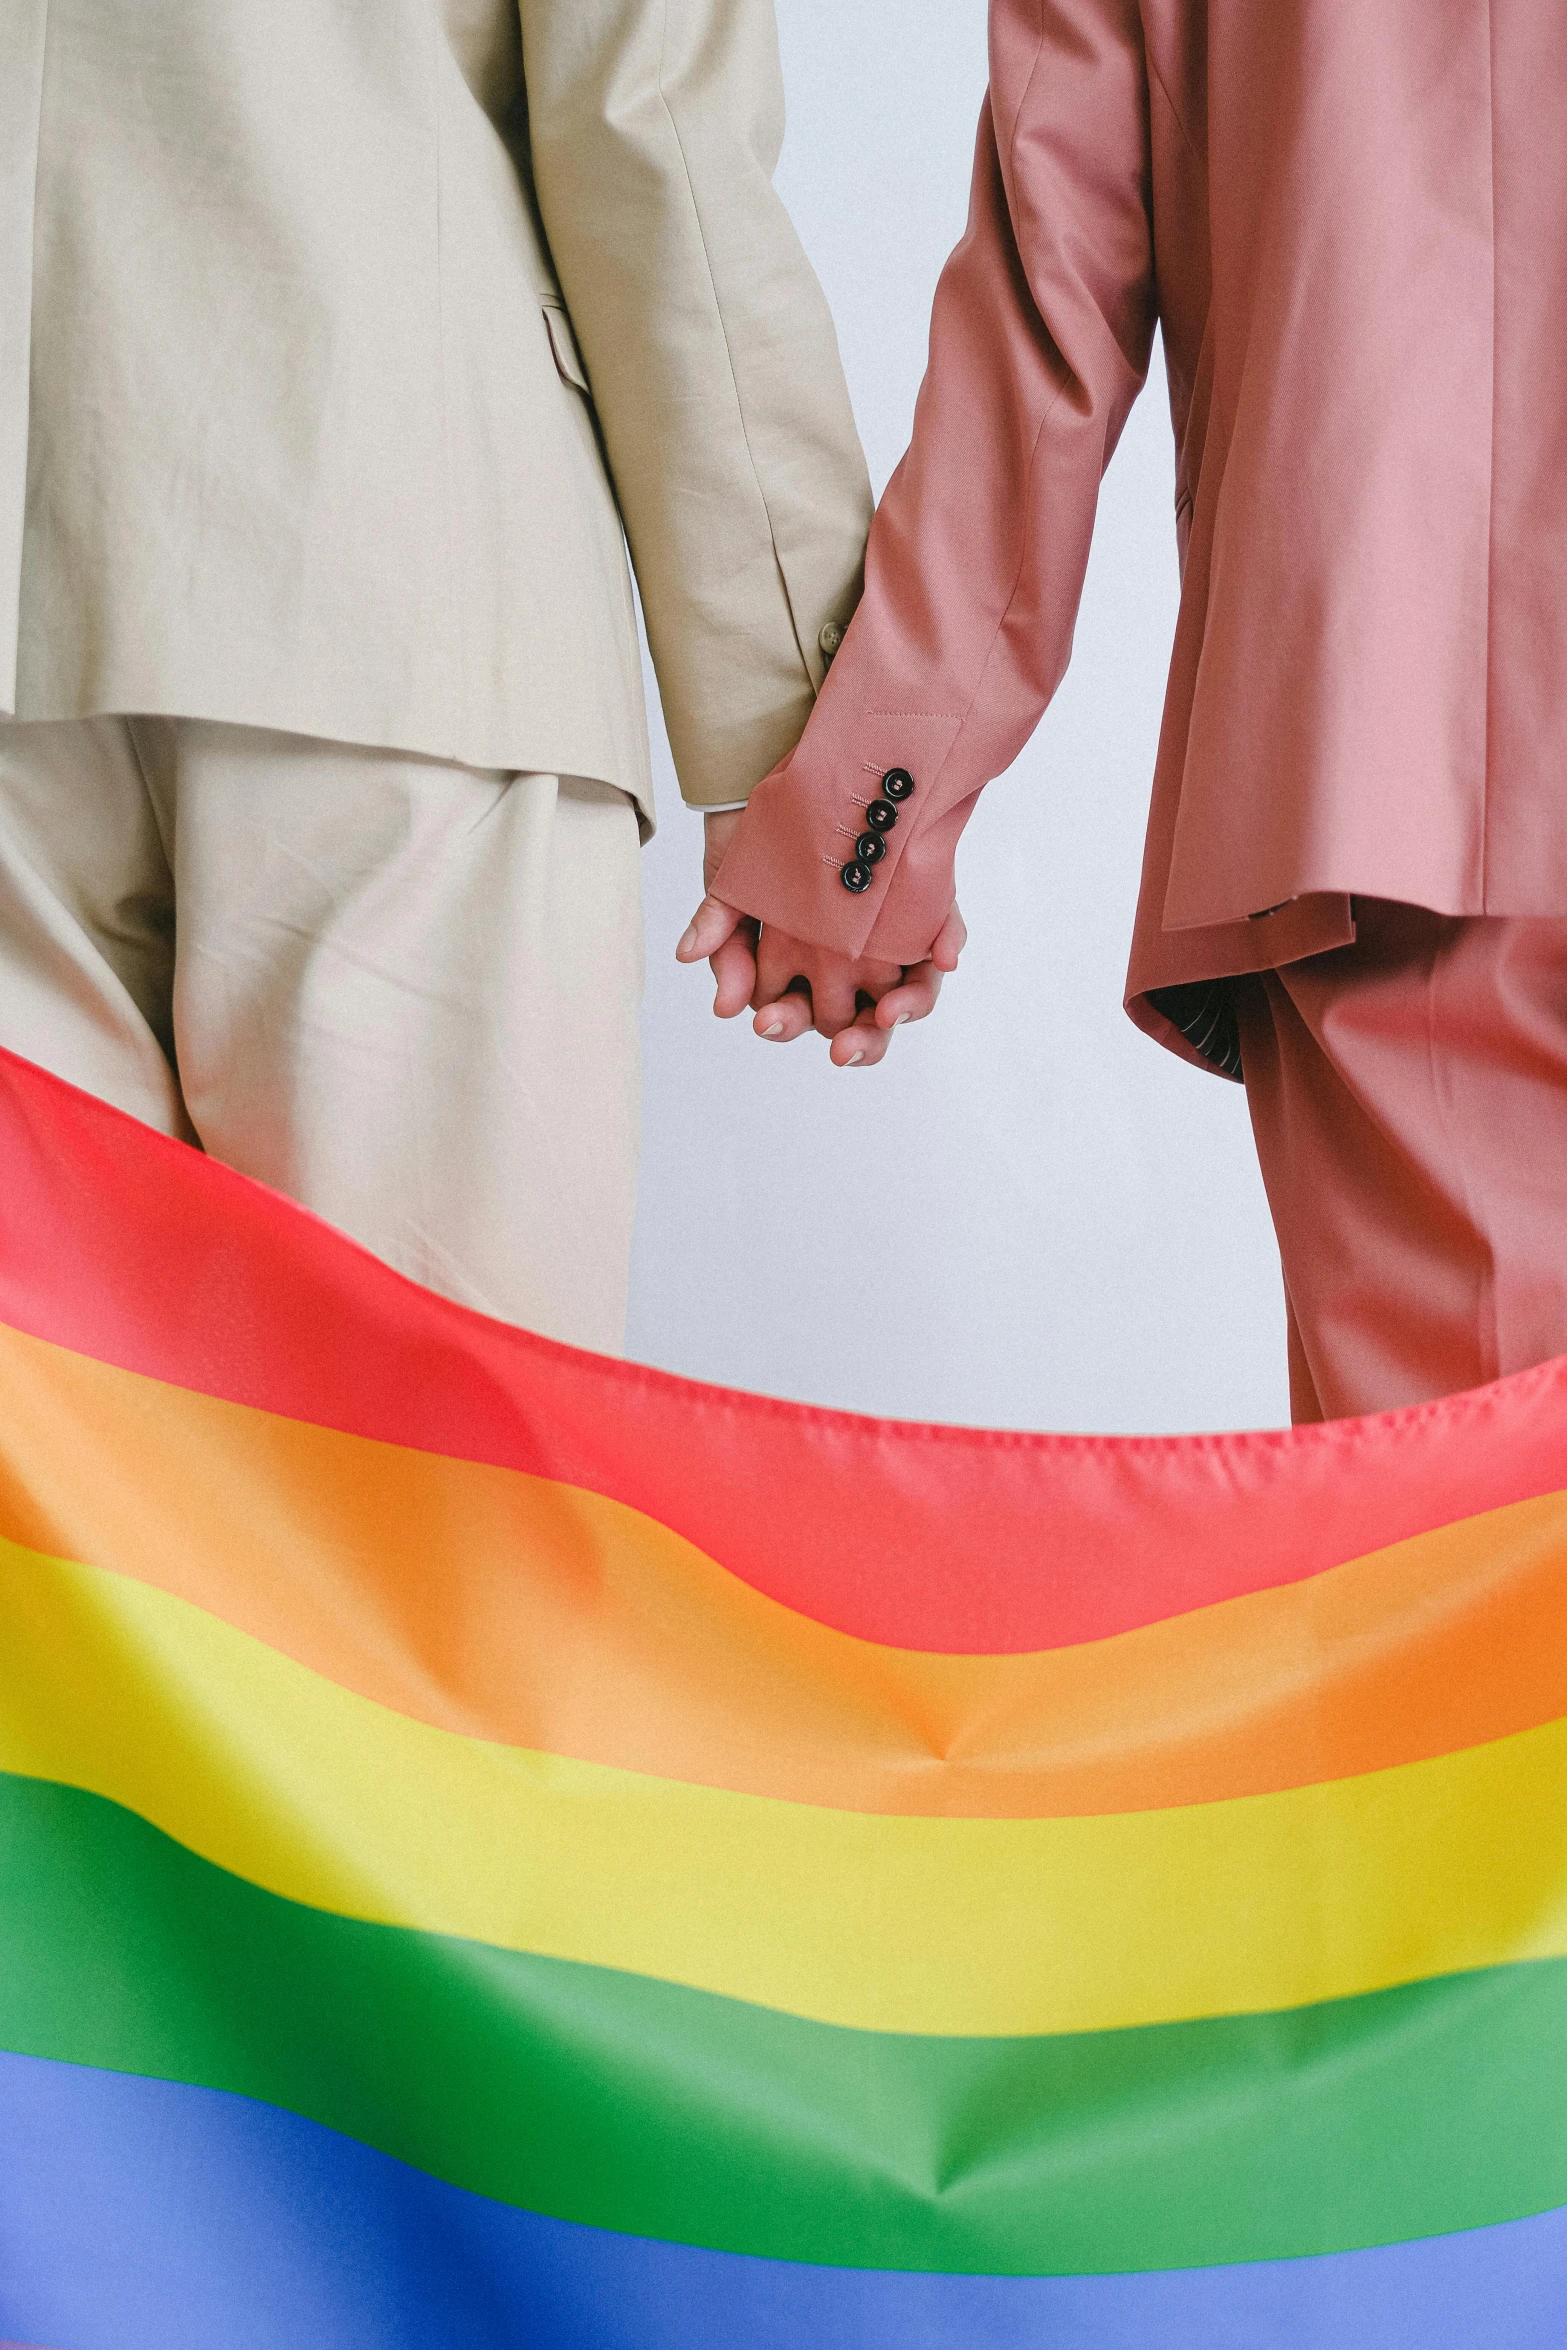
(897, 783)
(855, 876)
(870, 848)
(881, 815)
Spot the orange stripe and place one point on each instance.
(513, 1608)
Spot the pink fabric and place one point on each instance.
(1351, 225)
(1409, 1099)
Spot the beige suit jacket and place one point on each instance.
(294, 427)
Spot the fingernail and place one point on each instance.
(775, 1030)
(689, 940)
(854, 1060)
(902, 1016)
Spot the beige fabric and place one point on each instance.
(291, 431)
(402, 991)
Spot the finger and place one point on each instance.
(874, 979)
(779, 961)
(951, 939)
(835, 999)
(707, 930)
(783, 1021)
(862, 1044)
(914, 1000)
(734, 971)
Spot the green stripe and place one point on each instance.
(643, 2107)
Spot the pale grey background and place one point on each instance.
(1030, 1216)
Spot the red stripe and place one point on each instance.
(140, 1252)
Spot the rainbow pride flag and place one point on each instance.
(502, 1848)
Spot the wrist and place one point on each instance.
(718, 830)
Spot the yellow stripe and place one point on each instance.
(977, 1926)
(508, 1606)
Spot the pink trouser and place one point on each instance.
(1409, 1099)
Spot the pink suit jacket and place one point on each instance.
(1349, 220)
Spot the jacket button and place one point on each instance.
(870, 848)
(829, 638)
(897, 783)
(881, 815)
(855, 876)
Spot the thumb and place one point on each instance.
(707, 930)
(951, 939)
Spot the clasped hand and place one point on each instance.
(792, 987)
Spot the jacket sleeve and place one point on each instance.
(655, 127)
(1040, 340)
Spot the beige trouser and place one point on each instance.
(404, 992)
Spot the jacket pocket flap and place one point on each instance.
(563, 343)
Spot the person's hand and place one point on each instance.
(794, 987)
(716, 933)
(857, 1003)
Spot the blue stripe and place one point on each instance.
(141, 2215)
